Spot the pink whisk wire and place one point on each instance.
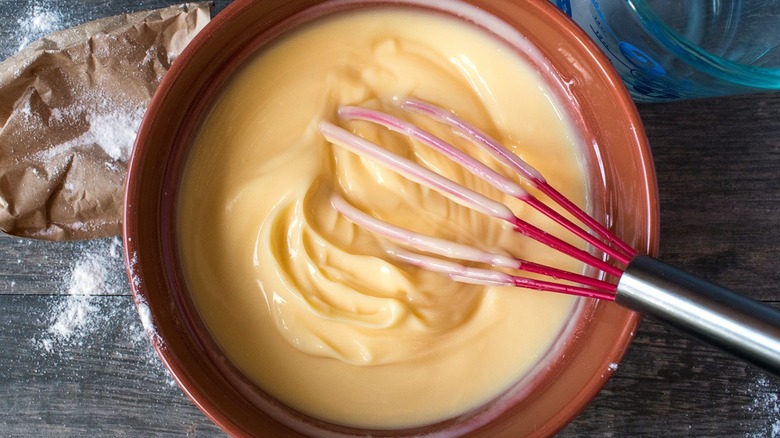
(453, 250)
(599, 237)
(623, 252)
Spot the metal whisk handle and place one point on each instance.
(736, 324)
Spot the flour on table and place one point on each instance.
(77, 314)
(81, 317)
(766, 401)
(38, 20)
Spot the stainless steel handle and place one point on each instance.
(725, 319)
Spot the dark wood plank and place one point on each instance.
(33, 267)
(102, 380)
(670, 385)
(718, 163)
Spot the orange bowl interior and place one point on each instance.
(623, 188)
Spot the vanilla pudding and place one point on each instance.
(307, 305)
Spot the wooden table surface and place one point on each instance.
(718, 165)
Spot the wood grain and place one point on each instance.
(106, 382)
(717, 161)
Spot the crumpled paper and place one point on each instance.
(70, 107)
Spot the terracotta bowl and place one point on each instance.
(623, 191)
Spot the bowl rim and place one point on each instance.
(151, 121)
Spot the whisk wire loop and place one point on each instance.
(454, 250)
(469, 198)
(621, 251)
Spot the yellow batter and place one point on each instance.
(308, 305)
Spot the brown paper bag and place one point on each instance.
(70, 106)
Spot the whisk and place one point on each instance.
(746, 328)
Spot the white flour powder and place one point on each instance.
(767, 403)
(38, 20)
(112, 126)
(78, 314)
(83, 317)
